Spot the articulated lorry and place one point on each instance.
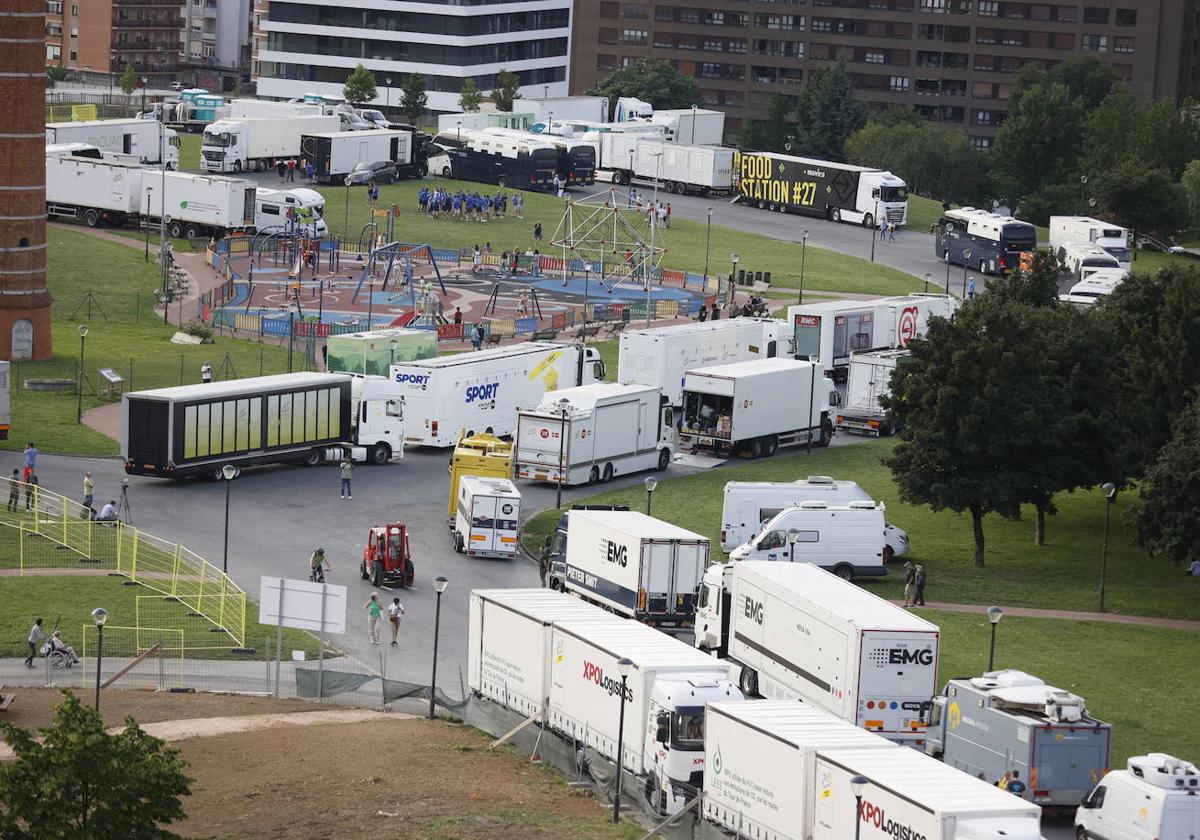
(237, 145)
(627, 157)
(551, 657)
(143, 140)
(797, 632)
(869, 378)
(1009, 720)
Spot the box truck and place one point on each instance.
(488, 518)
(532, 653)
(230, 145)
(868, 377)
(662, 355)
(1009, 720)
(147, 141)
(748, 505)
(1066, 230)
(761, 759)
(240, 109)
(372, 353)
(481, 455)
(483, 391)
(588, 434)
(278, 210)
(1089, 292)
(691, 125)
(631, 157)
(334, 154)
(848, 539)
(796, 632)
(633, 564)
(1154, 797)
(832, 330)
(755, 407)
(298, 417)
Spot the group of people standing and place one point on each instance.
(439, 203)
(286, 169)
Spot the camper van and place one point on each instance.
(844, 539)
(1156, 796)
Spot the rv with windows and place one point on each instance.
(494, 159)
(1081, 260)
(576, 158)
(983, 241)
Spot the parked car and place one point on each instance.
(375, 117)
(380, 171)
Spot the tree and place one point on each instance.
(1142, 199)
(1039, 143)
(1164, 514)
(934, 160)
(652, 80)
(1190, 182)
(1159, 135)
(129, 80)
(470, 97)
(828, 114)
(57, 73)
(1088, 80)
(771, 134)
(507, 90)
(77, 781)
(413, 97)
(360, 86)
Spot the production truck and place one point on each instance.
(692, 125)
(372, 353)
(797, 632)
(488, 518)
(867, 379)
(106, 192)
(848, 539)
(679, 168)
(1009, 720)
(334, 154)
(754, 407)
(483, 391)
(277, 210)
(145, 140)
(194, 430)
(833, 330)
(1068, 230)
(481, 455)
(1156, 796)
(531, 652)
(662, 355)
(230, 145)
(633, 564)
(598, 431)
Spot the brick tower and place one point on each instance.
(24, 298)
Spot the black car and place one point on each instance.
(380, 171)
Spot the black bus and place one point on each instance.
(981, 240)
(494, 159)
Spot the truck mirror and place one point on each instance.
(662, 732)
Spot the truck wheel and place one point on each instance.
(608, 474)
(410, 572)
(362, 570)
(92, 218)
(381, 453)
(826, 435)
(868, 221)
(836, 214)
(175, 230)
(889, 554)
(748, 682)
(422, 171)
(664, 459)
(844, 572)
(237, 166)
(1080, 834)
(770, 445)
(458, 544)
(191, 232)
(756, 448)
(594, 475)
(377, 573)
(311, 458)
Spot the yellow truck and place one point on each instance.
(483, 455)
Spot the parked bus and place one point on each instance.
(576, 158)
(494, 159)
(987, 241)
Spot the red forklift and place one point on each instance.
(386, 560)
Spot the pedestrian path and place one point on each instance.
(1029, 612)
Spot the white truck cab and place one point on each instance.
(1157, 797)
(674, 742)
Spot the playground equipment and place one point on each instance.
(614, 240)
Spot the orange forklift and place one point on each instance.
(386, 560)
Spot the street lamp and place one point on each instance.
(966, 265)
(994, 615)
(707, 242)
(1110, 493)
(735, 259)
(83, 329)
(388, 81)
(946, 251)
(693, 141)
(563, 404)
(858, 786)
(873, 226)
(145, 84)
(928, 277)
(439, 585)
(651, 483)
(793, 536)
(100, 616)
(150, 189)
(392, 345)
(1083, 179)
(228, 473)
(803, 248)
(624, 668)
(812, 386)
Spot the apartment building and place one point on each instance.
(311, 46)
(952, 60)
(215, 34)
(103, 36)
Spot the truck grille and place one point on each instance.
(895, 214)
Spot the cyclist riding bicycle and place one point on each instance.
(316, 566)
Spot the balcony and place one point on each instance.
(147, 23)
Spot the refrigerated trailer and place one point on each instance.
(334, 154)
(627, 157)
(145, 140)
(797, 632)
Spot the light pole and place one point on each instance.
(1110, 493)
(793, 536)
(388, 96)
(345, 214)
(653, 228)
(162, 214)
(693, 140)
(439, 584)
(145, 84)
(812, 386)
(83, 329)
(150, 189)
(549, 122)
(624, 667)
(392, 345)
(966, 265)
(803, 248)
(1083, 179)
(100, 616)
(651, 483)
(735, 259)
(946, 251)
(562, 404)
(994, 615)
(875, 220)
(928, 277)
(630, 181)
(228, 473)
(858, 786)
(707, 242)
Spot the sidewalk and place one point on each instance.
(1028, 612)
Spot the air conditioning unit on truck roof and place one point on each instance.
(1165, 771)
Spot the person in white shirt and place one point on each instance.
(1194, 569)
(108, 513)
(395, 612)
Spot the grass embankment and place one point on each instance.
(189, 152)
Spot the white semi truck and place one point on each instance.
(599, 431)
(546, 655)
(678, 167)
(144, 140)
(633, 564)
(867, 379)
(483, 391)
(755, 407)
(797, 632)
(236, 145)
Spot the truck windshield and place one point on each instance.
(893, 194)
(1122, 254)
(687, 728)
(215, 139)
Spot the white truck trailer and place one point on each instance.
(797, 632)
(692, 125)
(1083, 230)
(532, 652)
(633, 564)
(230, 145)
(832, 330)
(482, 391)
(145, 140)
(334, 154)
(598, 431)
(662, 355)
(241, 109)
(755, 407)
(487, 521)
(679, 168)
(867, 379)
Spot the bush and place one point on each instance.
(203, 331)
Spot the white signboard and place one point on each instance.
(300, 605)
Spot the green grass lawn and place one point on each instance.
(1063, 574)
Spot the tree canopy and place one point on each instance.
(828, 113)
(413, 98)
(651, 80)
(470, 97)
(360, 86)
(506, 91)
(1164, 514)
(129, 80)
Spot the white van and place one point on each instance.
(487, 517)
(845, 539)
(749, 504)
(1082, 259)
(1156, 798)
(1089, 292)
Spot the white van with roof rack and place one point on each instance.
(1157, 797)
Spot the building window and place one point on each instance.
(898, 83)
(74, 10)
(873, 57)
(981, 143)
(73, 55)
(54, 7)
(1126, 17)
(933, 6)
(606, 62)
(609, 10)
(983, 117)
(607, 35)
(53, 53)
(1122, 44)
(634, 36)
(639, 11)
(1094, 43)
(1095, 14)
(988, 9)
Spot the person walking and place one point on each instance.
(919, 582)
(458, 316)
(281, 169)
(309, 172)
(317, 563)
(31, 482)
(35, 638)
(206, 373)
(291, 170)
(477, 337)
(28, 460)
(14, 489)
(891, 231)
(89, 491)
(374, 613)
(537, 231)
(395, 612)
(882, 229)
(715, 313)
(346, 469)
(910, 575)
(971, 289)
(544, 561)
